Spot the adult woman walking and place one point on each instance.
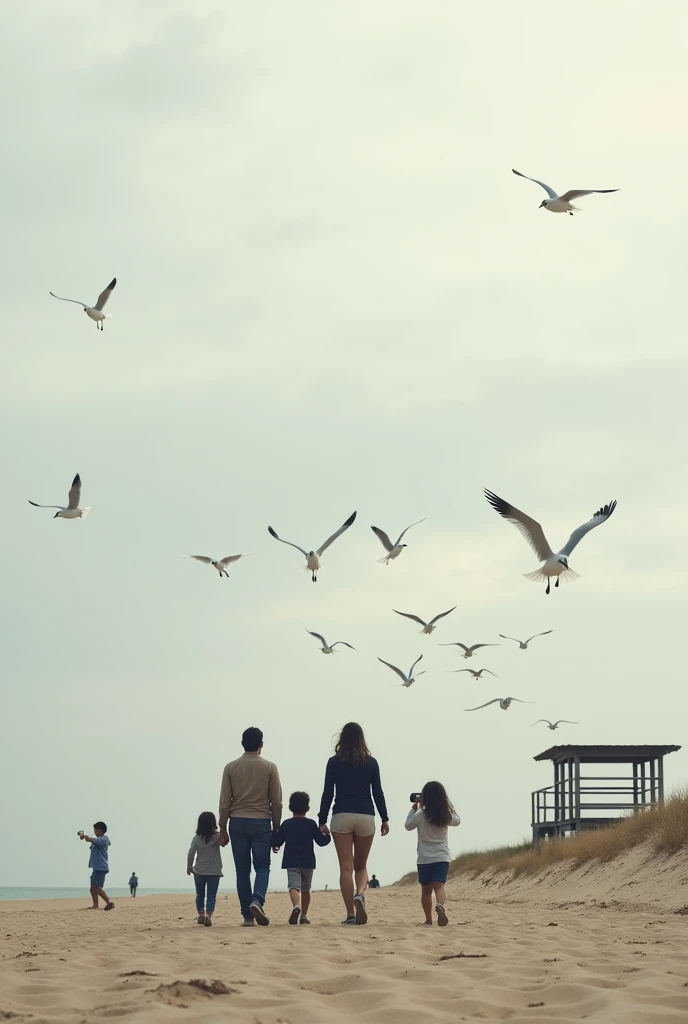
(350, 777)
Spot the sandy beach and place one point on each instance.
(537, 952)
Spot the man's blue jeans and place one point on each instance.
(251, 838)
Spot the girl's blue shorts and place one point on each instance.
(429, 873)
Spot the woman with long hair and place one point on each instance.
(433, 815)
(352, 778)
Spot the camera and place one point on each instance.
(416, 798)
(81, 833)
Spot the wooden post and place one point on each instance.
(653, 782)
(570, 815)
(577, 784)
(642, 780)
(635, 787)
(660, 778)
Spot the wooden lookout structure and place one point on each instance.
(577, 801)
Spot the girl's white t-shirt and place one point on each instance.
(433, 842)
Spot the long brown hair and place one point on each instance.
(437, 806)
(351, 746)
(207, 825)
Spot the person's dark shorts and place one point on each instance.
(429, 873)
(98, 879)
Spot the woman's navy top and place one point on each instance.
(353, 784)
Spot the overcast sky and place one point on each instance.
(332, 295)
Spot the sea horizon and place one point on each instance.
(72, 892)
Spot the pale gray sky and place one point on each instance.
(332, 295)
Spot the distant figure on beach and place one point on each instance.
(204, 861)
(98, 862)
(432, 816)
(374, 882)
(297, 835)
(133, 883)
(350, 777)
(250, 811)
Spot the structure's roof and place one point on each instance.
(607, 752)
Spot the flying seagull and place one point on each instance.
(504, 703)
(428, 627)
(329, 648)
(468, 651)
(553, 725)
(563, 204)
(406, 679)
(393, 550)
(95, 312)
(221, 563)
(72, 510)
(555, 563)
(313, 557)
(523, 644)
(476, 675)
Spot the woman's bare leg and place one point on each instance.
(362, 845)
(344, 845)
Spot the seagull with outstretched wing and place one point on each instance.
(220, 564)
(95, 312)
(406, 680)
(476, 674)
(555, 725)
(428, 627)
(313, 557)
(555, 563)
(523, 644)
(71, 510)
(393, 550)
(562, 204)
(328, 648)
(468, 651)
(504, 703)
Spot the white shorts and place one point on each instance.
(353, 824)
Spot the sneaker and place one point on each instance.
(360, 909)
(426, 924)
(349, 920)
(207, 922)
(295, 915)
(441, 915)
(304, 920)
(248, 923)
(259, 915)
(201, 919)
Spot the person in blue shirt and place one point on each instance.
(133, 883)
(98, 862)
(297, 834)
(352, 777)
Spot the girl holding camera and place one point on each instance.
(432, 815)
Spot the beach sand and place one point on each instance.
(532, 957)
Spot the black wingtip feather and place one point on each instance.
(498, 504)
(350, 519)
(272, 532)
(606, 510)
(112, 283)
(76, 480)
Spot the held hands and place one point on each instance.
(384, 828)
(325, 830)
(224, 837)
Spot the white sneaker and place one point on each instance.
(360, 909)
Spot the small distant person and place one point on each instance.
(351, 776)
(297, 835)
(374, 882)
(432, 816)
(98, 862)
(250, 812)
(204, 861)
(133, 883)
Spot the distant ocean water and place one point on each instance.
(80, 892)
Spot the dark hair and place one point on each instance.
(299, 803)
(101, 826)
(252, 739)
(351, 745)
(436, 804)
(207, 825)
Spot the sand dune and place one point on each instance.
(524, 962)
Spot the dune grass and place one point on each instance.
(664, 829)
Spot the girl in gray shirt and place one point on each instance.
(204, 861)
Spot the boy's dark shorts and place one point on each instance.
(98, 879)
(429, 873)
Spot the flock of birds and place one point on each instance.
(554, 564)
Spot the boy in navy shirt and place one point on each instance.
(297, 834)
(98, 862)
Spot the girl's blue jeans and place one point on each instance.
(206, 892)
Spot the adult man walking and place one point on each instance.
(250, 810)
(133, 883)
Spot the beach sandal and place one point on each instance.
(207, 922)
(201, 919)
(350, 920)
(109, 906)
(295, 915)
(441, 915)
(304, 920)
(360, 909)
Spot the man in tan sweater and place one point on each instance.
(251, 802)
